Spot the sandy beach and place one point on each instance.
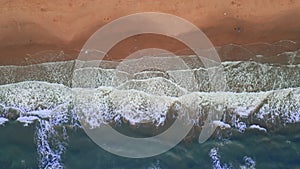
(27, 28)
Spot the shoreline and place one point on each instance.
(277, 52)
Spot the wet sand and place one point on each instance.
(28, 28)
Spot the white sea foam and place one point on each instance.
(27, 119)
(3, 120)
(52, 140)
(37, 98)
(105, 104)
(50, 145)
(142, 101)
(155, 86)
(249, 163)
(30, 95)
(41, 113)
(241, 126)
(244, 111)
(221, 124)
(216, 161)
(258, 128)
(240, 76)
(147, 97)
(115, 94)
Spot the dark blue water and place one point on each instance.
(226, 149)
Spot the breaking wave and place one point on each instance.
(258, 96)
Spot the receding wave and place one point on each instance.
(240, 76)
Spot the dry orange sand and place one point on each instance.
(27, 27)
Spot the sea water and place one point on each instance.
(259, 127)
(232, 149)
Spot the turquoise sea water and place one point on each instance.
(227, 149)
